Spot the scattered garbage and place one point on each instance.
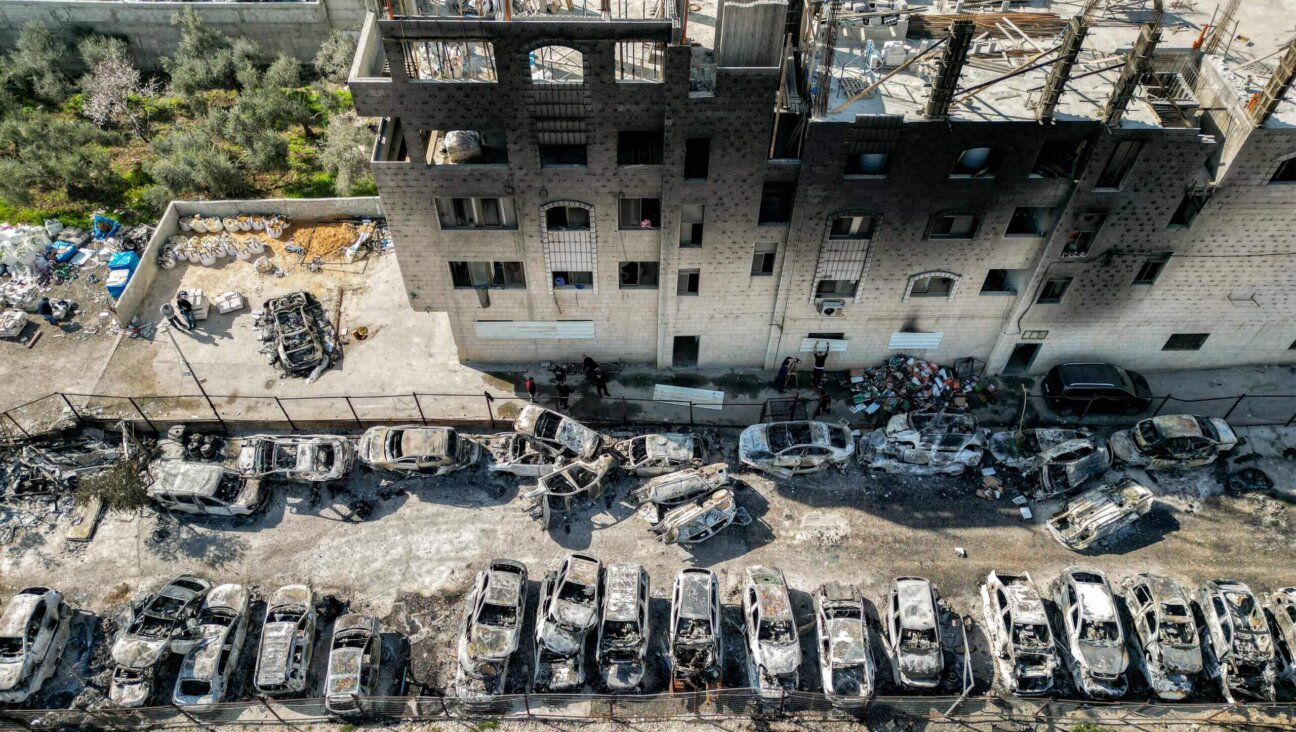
(904, 383)
(1248, 480)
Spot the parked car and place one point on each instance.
(696, 651)
(1021, 449)
(492, 628)
(568, 611)
(311, 458)
(517, 454)
(354, 663)
(1163, 635)
(411, 448)
(1082, 388)
(927, 442)
(159, 624)
(785, 449)
(694, 523)
(222, 627)
(1173, 441)
(204, 488)
(658, 454)
(1018, 630)
(1094, 642)
(683, 486)
(33, 633)
(773, 647)
(624, 631)
(845, 655)
(568, 488)
(1237, 648)
(913, 633)
(561, 435)
(1063, 459)
(1281, 613)
(287, 642)
(1099, 513)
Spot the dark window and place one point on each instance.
(1189, 207)
(953, 226)
(833, 288)
(1053, 290)
(826, 336)
(1185, 342)
(932, 287)
(574, 280)
(507, 275)
(476, 213)
(1119, 164)
(1081, 238)
(697, 158)
(636, 275)
(691, 215)
(763, 258)
(1028, 221)
(867, 163)
(640, 213)
(852, 227)
(559, 155)
(789, 132)
(567, 218)
(688, 282)
(997, 281)
(1286, 173)
(1151, 268)
(976, 162)
(776, 203)
(639, 148)
(1058, 159)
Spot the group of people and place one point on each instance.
(184, 309)
(594, 375)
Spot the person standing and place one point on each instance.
(600, 383)
(169, 313)
(780, 381)
(186, 310)
(530, 387)
(590, 367)
(560, 374)
(825, 404)
(820, 360)
(564, 393)
(46, 311)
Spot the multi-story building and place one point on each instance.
(680, 183)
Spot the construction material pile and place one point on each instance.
(905, 383)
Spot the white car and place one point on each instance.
(33, 633)
(287, 641)
(561, 435)
(204, 488)
(1173, 441)
(222, 627)
(435, 450)
(1094, 646)
(790, 448)
(311, 458)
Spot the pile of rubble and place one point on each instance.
(905, 383)
(37, 480)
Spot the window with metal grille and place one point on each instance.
(476, 275)
(639, 61)
(688, 282)
(557, 65)
(640, 213)
(1151, 268)
(640, 148)
(1185, 342)
(447, 60)
(763, 259)
(638, 275)
(691, 215)
(1053, 290)
(572, 280)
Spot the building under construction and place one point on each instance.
(1024, 182)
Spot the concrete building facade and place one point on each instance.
(649, 196)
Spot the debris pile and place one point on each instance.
(37, 480)
(297, 334)
(904, 383)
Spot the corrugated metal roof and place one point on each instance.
(914, 341)
(535, 329)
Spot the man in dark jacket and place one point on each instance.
(186, 310)
(46, 311)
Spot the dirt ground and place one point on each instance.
(413, 559)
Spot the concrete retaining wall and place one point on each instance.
(296, 209)
(294, 28)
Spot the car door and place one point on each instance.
(814, 456)
(37, 637)
(789, 458)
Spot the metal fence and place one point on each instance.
(66, 409)
(701, 705)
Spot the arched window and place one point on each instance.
(932, 284)
(570, 245)
(557, 65)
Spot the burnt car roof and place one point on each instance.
(695, 593)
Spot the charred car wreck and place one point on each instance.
(568, 611)
(517, 454)
(298, 335)
(623, 632)
(159, 625)
(568, 489)
(1018, 629)
(1094, 647)
(1163, 635)
(1099, 513)
(773, 646)
(1239, 652)
(311, 458)
(557, 434)
(696, 653)
(845, 655)
(492, 628)
(287, 641)
(785, 449)
(693, 523)
(927, 442)
(657, 454)
(683, 486)
(33, 633)
(917, 659)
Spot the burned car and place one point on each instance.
(354, 663)
(1099, 513)
(694, 523)
(1173, 441)
(650, 455)
(297, 333)
(845, 655)
(287, 641)
(1021, 449)
(1163, 635)
(222, 627)
(513, 453)
(1018, 630)
(623, 632)
(785, 449)
(1236, 646)
(567, 489)
(926, 442)
(773, 647)
(33, 633)
(311, 458)
(696, 653)
(1094, 646)
(434, 450)
(1063, 459)
(204, 488)
(683, 486)
(159, 625)
(560, 435)
(1281, 611)
(568, 611)
(492, 628)
(913, 635)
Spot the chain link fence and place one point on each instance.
(700, 705)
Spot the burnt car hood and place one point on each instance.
(1181, 660)
(779, 660)
(488, 642)
(135, 652)
(920, 664)
(1106, 661)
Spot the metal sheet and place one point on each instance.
(701, 398)
(808, 345)
(535, 329)
(914, 341)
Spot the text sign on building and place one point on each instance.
(535, 329)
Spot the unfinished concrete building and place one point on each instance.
(679, 183)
